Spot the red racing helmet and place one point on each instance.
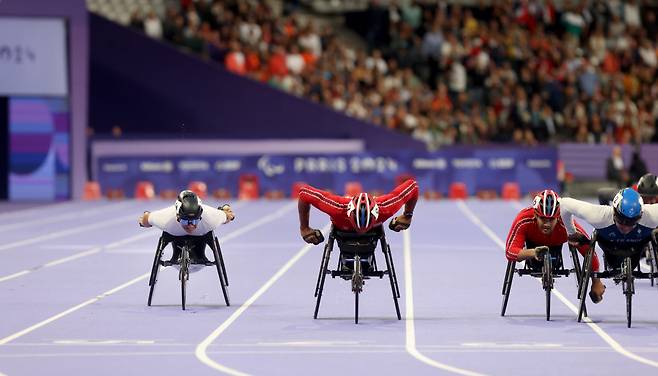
(546, 204)
(363, 212)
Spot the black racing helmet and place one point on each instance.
(647, 185)
(188, 206)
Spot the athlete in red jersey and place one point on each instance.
(537, 229)
(359, 213)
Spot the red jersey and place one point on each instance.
(526, 233)
(336, 206)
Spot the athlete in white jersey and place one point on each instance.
(188, 217)
(627, 225)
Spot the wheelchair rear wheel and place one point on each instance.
(221, 271)
(584, 282)
(154, 271)
(507, 285)
(221, 262)
(651, 260)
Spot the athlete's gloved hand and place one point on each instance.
(226, 208)
(143, 219)
(312, 236)
(400, 223)
(578, 238)
(540, 252)
(597, 290)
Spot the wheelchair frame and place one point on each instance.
(625, 275)
(547, 275)
(357, 275)
(183, 274)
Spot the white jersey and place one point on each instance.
(600, 216)
(165, 220)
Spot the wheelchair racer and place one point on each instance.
(647, 187)
(625, 226)
(188, 216)
(539, 229)
(359, 213)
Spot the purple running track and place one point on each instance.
(74, 285)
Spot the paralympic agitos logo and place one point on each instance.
(269, 168)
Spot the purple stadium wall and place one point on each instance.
(151, 88)
(75, 11)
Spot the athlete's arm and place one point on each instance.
(649, 215)
(214, 217)
(598, 216)
(515, 246)
(326, 202)
(404, 194)
(160, 218)
(584, 248)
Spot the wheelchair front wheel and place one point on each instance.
(182, 291)
(629, 305)
(357, 286)
(629, 289)
(184, 272)
(548, 283)
(356, 307)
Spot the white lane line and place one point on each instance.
(597, 329)
(75, 229)
(72, 216)
(66, 247)
(37, 209)
(346, 347)
(410, 342)
(201, 351)
(58, 316)
(71, 310)
(14, 275)
(78, 255)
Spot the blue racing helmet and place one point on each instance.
(627, 205)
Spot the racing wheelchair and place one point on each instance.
(356, 263)
(186, 244)
(625, 273)
(551, 267)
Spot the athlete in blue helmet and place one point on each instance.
(626, 225)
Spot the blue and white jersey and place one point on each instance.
(601, 218)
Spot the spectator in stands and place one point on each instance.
(615, 170)
(153, 26)
(637, 167)
(235, 60)
(535, 71)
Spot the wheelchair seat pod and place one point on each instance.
(190, 266)
(352, 247)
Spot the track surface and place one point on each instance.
(74, 284)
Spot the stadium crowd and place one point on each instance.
(515, 71)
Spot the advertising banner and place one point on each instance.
(479, 168)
